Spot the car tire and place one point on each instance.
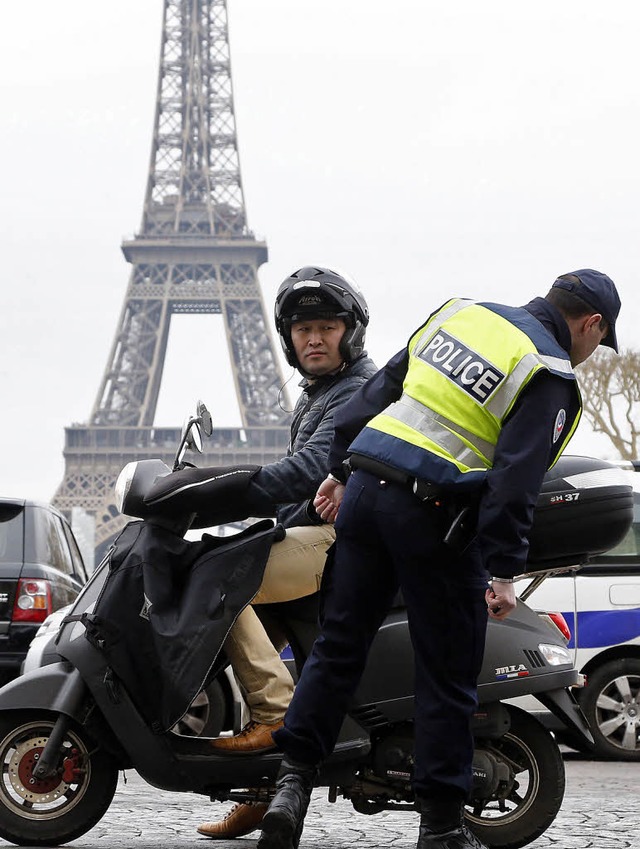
(611, 703)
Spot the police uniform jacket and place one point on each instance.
(526, 446)
(288, 486)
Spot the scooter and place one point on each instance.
(66, 729)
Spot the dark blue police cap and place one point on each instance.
(600, 292)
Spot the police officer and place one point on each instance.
(448, 445)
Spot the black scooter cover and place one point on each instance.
(167, 606)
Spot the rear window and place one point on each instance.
(76, 558)
(46, 542)
(11, 533)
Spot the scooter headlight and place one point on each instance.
(555, 655)
(123, 485)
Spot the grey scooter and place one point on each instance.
(68, 728)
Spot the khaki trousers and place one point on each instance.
(294, 569)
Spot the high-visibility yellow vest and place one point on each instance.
(467, 367)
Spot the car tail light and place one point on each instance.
(33, 601)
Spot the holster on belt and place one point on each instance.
(462, 530)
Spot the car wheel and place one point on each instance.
(206, 714)
(611, 703)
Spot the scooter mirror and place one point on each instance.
(190, 440)
(193, 436)
(205, 418)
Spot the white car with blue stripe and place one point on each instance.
(601, 604)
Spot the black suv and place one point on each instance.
(41, 570)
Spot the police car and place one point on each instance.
(601, 605)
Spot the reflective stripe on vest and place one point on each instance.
(455, 444)
(466, 364)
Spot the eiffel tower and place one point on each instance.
(194, 254)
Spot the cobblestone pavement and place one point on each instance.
(601, 810)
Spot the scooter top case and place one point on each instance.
(585, 508)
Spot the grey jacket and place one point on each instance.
(287, 488)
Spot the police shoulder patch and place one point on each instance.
(561, 419)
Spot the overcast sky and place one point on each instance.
(431, 149)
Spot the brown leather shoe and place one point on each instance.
(255, 737)
(241, 820)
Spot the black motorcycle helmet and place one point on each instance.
(317, 292)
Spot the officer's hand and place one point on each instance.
(327, 500)
(501, 600)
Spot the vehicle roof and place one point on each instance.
(27, 502)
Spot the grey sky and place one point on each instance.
(428, 148)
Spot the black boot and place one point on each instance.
(457, 838)
(442, 826)
(283, 822)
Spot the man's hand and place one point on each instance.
(501, 599)
(328, 498)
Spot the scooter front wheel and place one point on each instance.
(63, 806)
(522, 784)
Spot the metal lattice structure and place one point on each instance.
(194, 254)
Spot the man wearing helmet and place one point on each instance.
(321, 318)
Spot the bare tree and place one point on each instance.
(610, 388)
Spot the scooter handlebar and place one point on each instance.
(216, 494)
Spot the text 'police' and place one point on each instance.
(464, 366)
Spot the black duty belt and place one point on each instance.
(424, 490)
(460, 509)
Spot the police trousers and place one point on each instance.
(388, 539)
(294, 569)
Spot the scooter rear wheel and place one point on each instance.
(530, 783)
(57, 809)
